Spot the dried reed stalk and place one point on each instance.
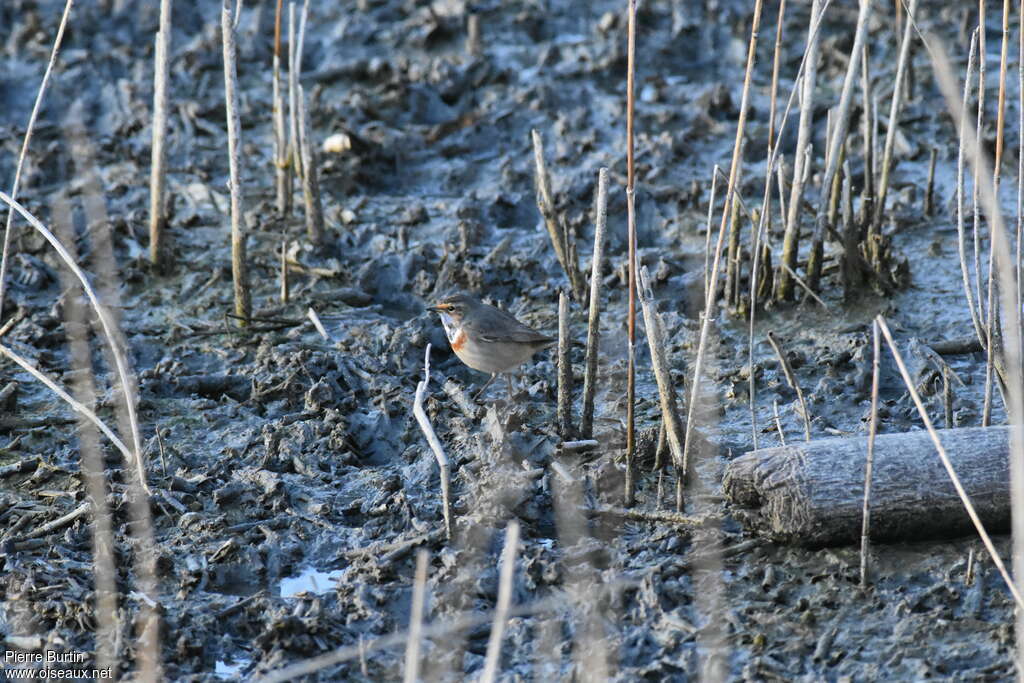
(158, 155)
(435, 444)
(801, 159)
(791, 378)
(960, 223)
(501, 611)
(283, 170)
(594, 319)
(239, 265)
(556, 229)
(564, 410)
(419, 592)
(895, 107)
(631, 237)
(674, 431)
(865, 550)
(814, 260)
(310, 178)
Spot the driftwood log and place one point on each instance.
(811, 494)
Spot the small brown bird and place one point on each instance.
(486, 338)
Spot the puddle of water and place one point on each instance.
(309, 580)
(226, 671)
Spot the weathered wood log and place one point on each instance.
(811, 494)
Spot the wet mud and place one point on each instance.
(292, 485)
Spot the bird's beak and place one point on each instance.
(435, 308)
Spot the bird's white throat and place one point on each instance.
(450, 328)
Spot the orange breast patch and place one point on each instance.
(459, 341)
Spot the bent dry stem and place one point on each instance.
(435, 443)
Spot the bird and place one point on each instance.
(487, 338)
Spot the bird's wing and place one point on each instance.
(493, 324)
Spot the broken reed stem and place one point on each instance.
(968, 506)
(759, 234)
(778, 422)
(929, 192)
(801, 158)
(310, 179)
(990, 350)
(947, 397)
(158, 153)
(318, 324)
(419, 592)
(716, 171)
(435, 444)
(293, 96)
(895, 107)
(1014, 396)
(501, 611)
(865, 550)
(239, 266)
(776, 60)
(791, 378)
(814, 260)
(285, 287)
(976, 228)
(120, 362)
(473, 42)
(631, 238)
(283, 170)
(736, 171)
(556, 229)
(564, 370)
(594, 319)
(674, 432)
(1001, 105)
(869, 132)
(5, 256)
(850, 267)
(960, 223)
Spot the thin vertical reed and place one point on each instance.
(564, 370)
(283, 171)
(594, 319)
(158, 154)
(960, 223)
(631, 237)
(508, 567)
(412, 646)
(895, 106)
(865, 532)
(310, 178)
(791, 237)
(239, 265)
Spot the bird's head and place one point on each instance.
(454, 307)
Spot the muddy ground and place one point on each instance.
(302, 483)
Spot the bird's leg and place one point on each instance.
(494, 376)
(508, 377)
